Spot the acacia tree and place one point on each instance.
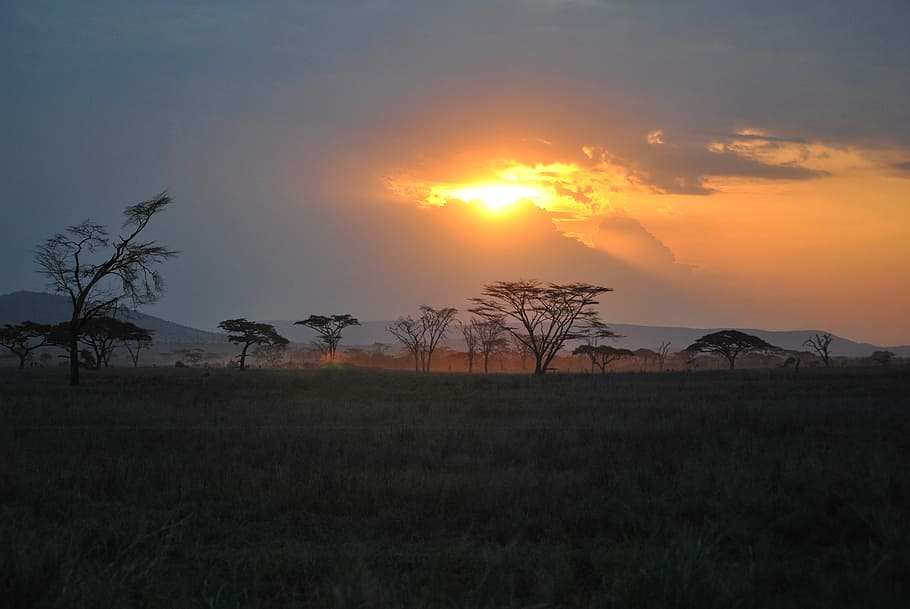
(135, 339)
(601, 355)
(23, 338)
(820, 343)
(101, 335)
(542, 317)
(329, 328)
(422, 335)
(249, 333)
(730, 344)
(96, 271)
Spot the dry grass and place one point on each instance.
(342, 488)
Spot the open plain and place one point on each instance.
(357, 488)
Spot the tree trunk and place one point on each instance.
(22, 357)
(243, 356)
(74, 359)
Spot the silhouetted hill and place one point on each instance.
(53, 308)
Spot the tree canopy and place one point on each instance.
(730, 344)
(23, 338)
(248, 333)
(329, 328)
(97, 272)
(542, 317)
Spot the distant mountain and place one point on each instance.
(53, 308)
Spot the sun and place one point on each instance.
(494, 197)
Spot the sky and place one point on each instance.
(716, 163)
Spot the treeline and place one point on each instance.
(536, 321)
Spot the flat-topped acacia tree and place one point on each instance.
(730, 344)
(541, 317)
(248, 333)
(97, 272)
(329, 328)
(23, 338)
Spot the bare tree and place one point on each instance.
(469, 332)
(492, 337)
(23, 338)
(521, 350)
(663, 351)
(409, 333)
(97, 271)
(542, 317)
(421, 336)
(821, 344)
(730, 344)
(250, 333)
(329, 328)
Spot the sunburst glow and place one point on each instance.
(494, 197)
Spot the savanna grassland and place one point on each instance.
(356, 488)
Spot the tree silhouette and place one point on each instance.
(23, 338)
(329, 328)
(730, 344)
(248, 333)
(469, 332)
(409, 333)
(422, 335)
(542, 317)
(492, 337)
(96, 271)
(602, 355)
(662, 352)
(820, 343)
(135, 339)
(882, 357)
(101, 335)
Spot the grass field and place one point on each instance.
(350, 488)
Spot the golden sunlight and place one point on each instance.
(494, 197)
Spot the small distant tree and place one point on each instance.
(250, 333)
(329, 328)
(730, 344)
(409, 333)
(102, 335)
(663, 351)
(421, 336)
(882, 357)
(23, 338)
(646, 356)
(136, 339)
(96, 272)
(191, 356)
(543, 317)
(820, 343)
(492, 337)
(602, 355)
(469, 332)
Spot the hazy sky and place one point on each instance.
(716, 163)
